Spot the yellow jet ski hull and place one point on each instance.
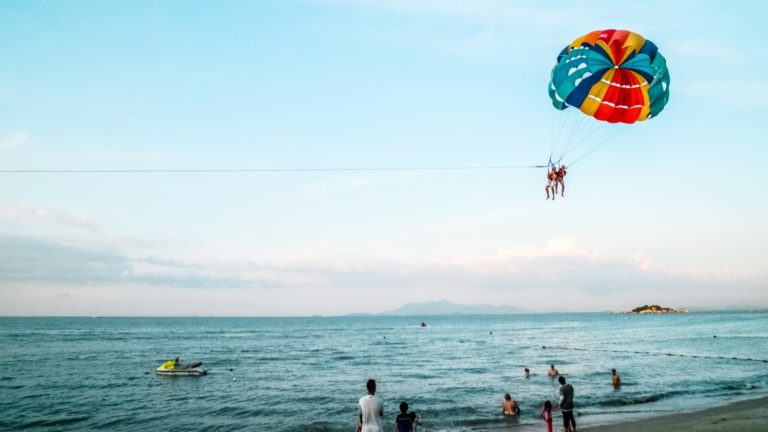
(176, 368)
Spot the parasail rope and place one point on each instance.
(268, 170)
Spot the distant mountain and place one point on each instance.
(448, 308)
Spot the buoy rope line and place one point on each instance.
(658, 354)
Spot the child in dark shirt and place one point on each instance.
(405, 420)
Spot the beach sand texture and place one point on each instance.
(750, 415)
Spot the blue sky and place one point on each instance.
(669, 211)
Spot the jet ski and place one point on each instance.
(176, 367)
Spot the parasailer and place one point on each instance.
(611, 77)
(551, 182)
(555, 181)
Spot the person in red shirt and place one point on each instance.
(546, 412)
(560, 180)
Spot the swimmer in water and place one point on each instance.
(615, 378)
(552, 372)
(510, 407)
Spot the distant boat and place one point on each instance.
(423, 324)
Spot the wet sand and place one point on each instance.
(750, 415)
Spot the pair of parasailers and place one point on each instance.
(555, 181)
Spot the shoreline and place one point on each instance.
(735, 416)
(741, 415)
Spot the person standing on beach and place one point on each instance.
(566, 405)
(615, 378)
(405, 421)
(552, 372)
(546, 412)
(371, 410)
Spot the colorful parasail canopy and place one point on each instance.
(612, 75)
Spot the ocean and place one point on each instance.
(306, 374)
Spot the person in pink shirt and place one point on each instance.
(546, 412)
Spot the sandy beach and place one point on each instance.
(738, 416)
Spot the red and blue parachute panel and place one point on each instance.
(612, 75)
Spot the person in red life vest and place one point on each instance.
(560, 180)
(551, 182)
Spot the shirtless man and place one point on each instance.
(560, 176)
(527, 373)
(510, 407)
(552, 372)
(615, 378)
(551, 182)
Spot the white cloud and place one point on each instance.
(16, 213)
(560, 247)
(524, 276)
(14, 141)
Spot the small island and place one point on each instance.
(654, 309)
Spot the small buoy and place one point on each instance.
(543, 347)
(230, 369)
(714, 336)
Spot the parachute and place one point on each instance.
(612, 76)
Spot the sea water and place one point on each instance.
(306, 374)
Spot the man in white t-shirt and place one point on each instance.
(371, 410)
